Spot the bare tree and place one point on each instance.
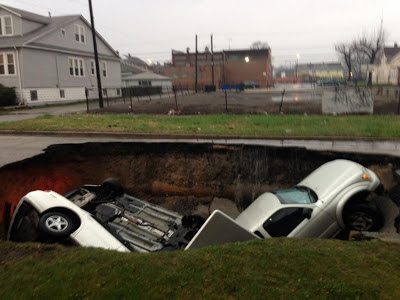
(257, 45)
(345, 53)
(370, 44)
(359, 60)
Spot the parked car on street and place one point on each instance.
(334, 197)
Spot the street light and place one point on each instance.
(247, 59)
(297, 64)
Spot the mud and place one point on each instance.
(181, 177)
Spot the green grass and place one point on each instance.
(267, 269)
(229, 125)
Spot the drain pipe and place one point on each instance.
(19, 76)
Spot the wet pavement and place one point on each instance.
(14, 148)
(19, 114)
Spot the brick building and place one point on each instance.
(230, 67)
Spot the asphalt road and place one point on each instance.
(15, 148)
(31, 113)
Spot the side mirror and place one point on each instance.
(307, 212)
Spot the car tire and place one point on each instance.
(56, 224)
(113, 185)
(363, 217)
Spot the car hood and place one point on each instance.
(336, 175)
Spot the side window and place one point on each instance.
(284, 221)
(34, 95)
(104, 68)
(92, 67)
(6, 26)
(79, 33)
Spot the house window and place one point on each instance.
(104, 68)
(76, 68)
(92, 67)
(7, 64)
(62, 93)
(79, 33)
(118, 92)
(6, 27)
(34, 95)
(63, 33)
(145, 83)
(184, 75)
(105, 92)
(80, 67)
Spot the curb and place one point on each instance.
(124, 135)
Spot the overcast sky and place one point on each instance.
(150, 29)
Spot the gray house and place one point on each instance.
(146, 79)
(50, 59)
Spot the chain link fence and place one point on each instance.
(125, 99)
(183, 100)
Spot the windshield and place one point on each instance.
(296, 195)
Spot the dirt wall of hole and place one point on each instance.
(178, 176)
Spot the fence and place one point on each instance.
(183, 100)
(126, 98)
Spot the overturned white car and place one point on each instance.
(334, 197)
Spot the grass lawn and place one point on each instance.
(262, 269)
(377, 126)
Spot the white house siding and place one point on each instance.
(48, 72)
(70, 94)
(29, 26)
(52, 95)
(16, 21)
(42, 63)
(165, 84)
(69, 42)
(386, 73)
(11, 80)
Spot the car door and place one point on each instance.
(298, 221)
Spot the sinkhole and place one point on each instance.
(186, 178)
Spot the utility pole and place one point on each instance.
(96, 56)
(195, 84)
(212, 60)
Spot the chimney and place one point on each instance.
(49, 14)
(187, 50)
(395, 44)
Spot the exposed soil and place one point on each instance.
(254, 102)
(181, 177)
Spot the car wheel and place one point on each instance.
(56, 224)
(363, 217)
(113, 185)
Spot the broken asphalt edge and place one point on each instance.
(127, 135)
